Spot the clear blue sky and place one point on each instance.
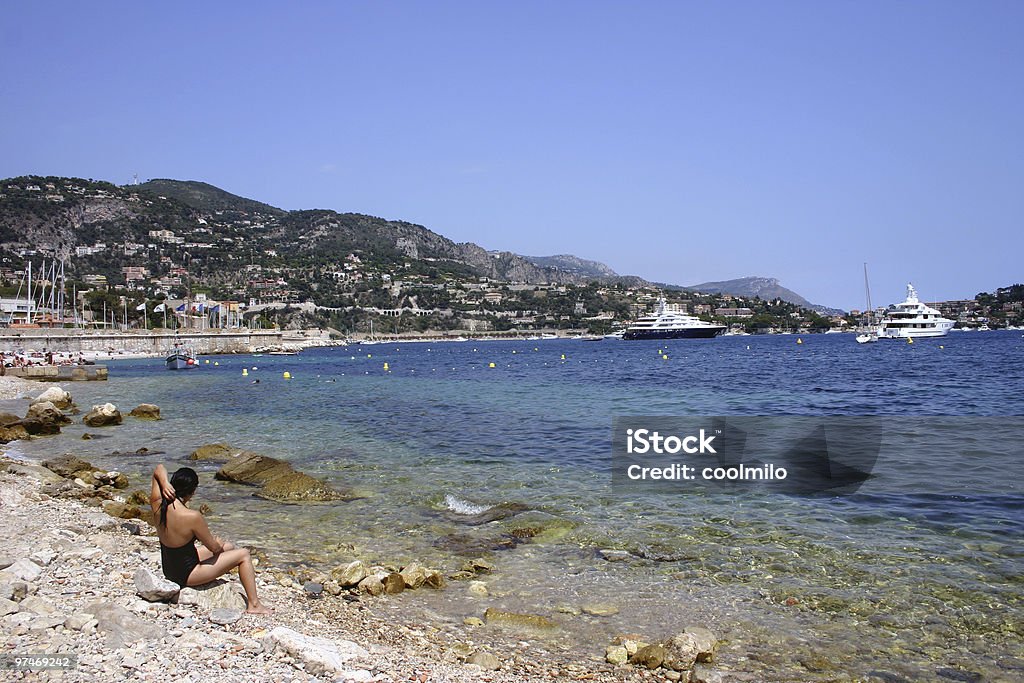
(679, 141)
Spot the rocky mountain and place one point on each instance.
(205, 197)
(767, 288)
(574, 264)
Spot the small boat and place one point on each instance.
(181, 358)
(869, 334)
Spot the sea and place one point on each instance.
(918, 574)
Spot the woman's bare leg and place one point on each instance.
(221, 564)
(205, 553)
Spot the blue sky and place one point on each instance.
(678, 141)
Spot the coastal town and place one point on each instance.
(91, 255)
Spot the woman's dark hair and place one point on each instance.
(184, 481)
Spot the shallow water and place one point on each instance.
(922, 569)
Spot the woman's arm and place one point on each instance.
(202, 532)
(160, 489)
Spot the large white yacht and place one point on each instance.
(664, 324)
(913, 319)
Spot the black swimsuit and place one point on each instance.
(179, 562)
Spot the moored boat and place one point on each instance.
(913, 319)
(665, 324)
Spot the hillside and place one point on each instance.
(767, 288)
(204, 197)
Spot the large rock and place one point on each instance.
(44, 475)
(279, 481)
(153, 588)
(518, 620)
(103, 415)
(56, 396)
(217, 452)
(146, 411)
(218, 594)
(7, 419)
(67, 465)
(47, 412)
(120, 626)
(348, 575)
(393, 583)
(372, 585)
(23, 569)
(37, 427)
(318, 655)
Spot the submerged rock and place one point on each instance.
(485, 660)
(146, 411)
(650, 657)
(516, 619)
(217, 452)
(15, 432)
(103, 415)
(491, 514)
(279, 481)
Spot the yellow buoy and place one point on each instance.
(287, 375)
(216, 362)
(207, 361)
(799, 340)
(910, 340)
(563, 356)
(386, 366)
(245, 373)
(490, 365)
(513, 351)
(664, 356)
(941, 346)
(369, 355)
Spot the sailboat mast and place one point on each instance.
(867, 293)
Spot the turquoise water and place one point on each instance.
(919, 572)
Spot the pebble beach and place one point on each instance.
(82, 588)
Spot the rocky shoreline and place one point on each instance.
(76, 579)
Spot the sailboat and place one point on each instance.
(870, 334)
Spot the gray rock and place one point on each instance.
(79, 621)
(224, 616)
(615, 555)
(485, 660)
(120, 627)
(43, 557)
(313, 588)
(616, 655)
(8, 607)
(153, 588)
(318, 655)
(22, 569)
(705, 640)
(44, 623)
(213, 595)
(38, 605)
(348, 575)
(6, 561)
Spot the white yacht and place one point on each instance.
(913, 319)
(664, 324)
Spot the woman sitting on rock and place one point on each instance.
(179, 527)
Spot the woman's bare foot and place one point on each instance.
(259, 608)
